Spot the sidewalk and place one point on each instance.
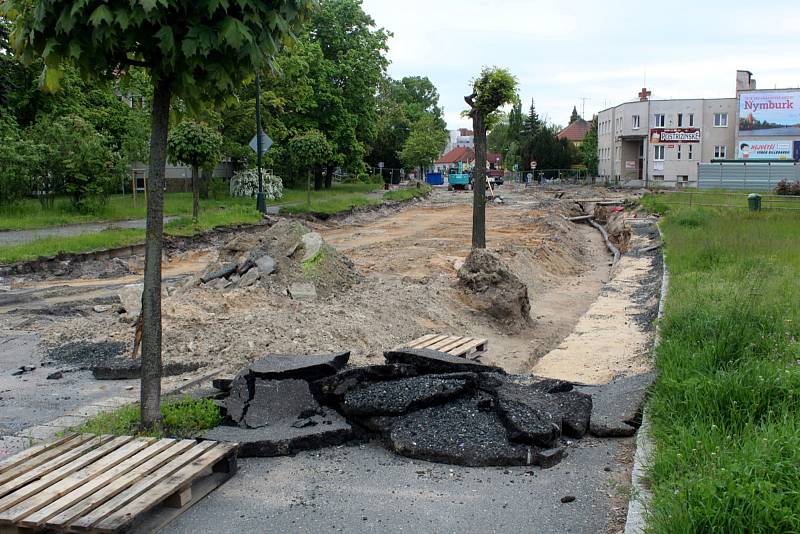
(15, 237)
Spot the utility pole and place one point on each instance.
(261, 199)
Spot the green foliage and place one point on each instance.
(188, 45)
(725, 408)
(493, 88)
(77, 160)
(424, 144)
(309, 149)
(588, 148)
(195, 144)
(183, 418)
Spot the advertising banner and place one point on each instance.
(674, 135)
(773, 113)
(762, 149)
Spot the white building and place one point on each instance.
(661, 142)
(461, 138)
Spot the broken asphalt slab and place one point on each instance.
(428, 361)
(286, 436)
(312, 367)
(617, 406)
(397, 397)
(127, 369)
(276, 401)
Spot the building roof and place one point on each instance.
(494, 157)
(458, 154)
(575, 132)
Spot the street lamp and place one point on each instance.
(261, 199)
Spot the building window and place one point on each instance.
(720, 152)
(659, 152)
(691, 147)
(658, 177)
(659, 120)
(721, 120)
(691, 119)
(636, 122)
(680, 120)
(679, 151)
(683, 178)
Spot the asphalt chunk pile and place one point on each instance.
(421, 404)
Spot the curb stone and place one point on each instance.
(641, 496)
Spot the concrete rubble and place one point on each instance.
(421, 404)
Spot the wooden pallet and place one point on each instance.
(454, 345)
(88, 483)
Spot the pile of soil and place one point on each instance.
(286, 254)
(492, 288)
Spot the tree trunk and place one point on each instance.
(151, 296)
(195, 194)
(479, 182)
(329, 176)
(205, 183)
(317, 177)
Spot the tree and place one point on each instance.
(196, 144)
(309, 152)
(588, 148)
(574, 115)
(424, 144)
(193, 50)
(492, 89)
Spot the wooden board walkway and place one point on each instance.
(454, 345)
(88, 483)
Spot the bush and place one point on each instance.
(245, 184)
(785, 187)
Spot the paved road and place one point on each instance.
(15, 237)
(365, 488)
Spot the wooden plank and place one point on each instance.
(421, 340)
(42, 458)
(116, 486)
(175, 482)
(89, 486)
(86, 454)
(429, 342)
(55, 491)
(142, 486)
(161, 516)
(456, 344)
(55, 464)
(464, 349)
(443, 343)
(27, 454)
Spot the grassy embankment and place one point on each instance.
(213, 213)
(726, 408)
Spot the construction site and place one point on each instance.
(372, 371)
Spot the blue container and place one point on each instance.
(434, 178)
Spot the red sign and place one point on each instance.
(674, 135)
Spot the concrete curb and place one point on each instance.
(636, 522)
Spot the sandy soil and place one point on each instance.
(409, 258)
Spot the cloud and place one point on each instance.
(563, 52)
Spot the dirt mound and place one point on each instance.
(494, 289)
(287, 255)
(613, 218)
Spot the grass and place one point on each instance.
(213, 213)
(183, 418)
(726, 408)
(400, 195)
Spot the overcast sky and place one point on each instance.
(600, 50)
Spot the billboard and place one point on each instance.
(797, 150)
(769, 113)
(763, 149)
(674, 135)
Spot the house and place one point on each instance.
(466, 156)
(461, 138)
(575, 132)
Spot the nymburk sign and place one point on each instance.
(674, 135)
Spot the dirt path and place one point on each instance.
(433, 241)
(15, 237)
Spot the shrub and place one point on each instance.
(245, 184)
(785, 187)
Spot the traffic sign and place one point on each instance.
(380, 164)
(266, 143)
(533, 164)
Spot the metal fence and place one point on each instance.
(549, 176)
(743, 176)
(724, 199)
